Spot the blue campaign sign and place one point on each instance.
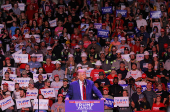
(109, 102)
(98, 26)
(123, 12)
(103, 33)
(168, 85)
(106, 10)
(143, 88)
(84, 105)
(155, 14)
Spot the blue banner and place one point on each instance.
(168, 85)
(106, 10)
(136, 29)
(84, 105)
(123, 12)
(143, 88)
(103, 33)
(109, 102)
(155, 14)
(98, 26)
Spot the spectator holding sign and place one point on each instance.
(16, 93)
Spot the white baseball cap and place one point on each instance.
(98, 63)
(155, 55)
(13, 37)
(49, 48)
(101, 52)
(57, 62)
(132, 53)
(118, 51)
(83, 54)
(70, 55)
(146, 53)
(79, 65)
(77, 46)
(123, 38)
(27, 36)
(21, 43)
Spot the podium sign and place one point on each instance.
(84, 105)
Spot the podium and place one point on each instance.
(84, 106)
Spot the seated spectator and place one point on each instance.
(49, 67)
(40, 83)
(102, 80)
(112, 75)
(63, 90)
(157, 105)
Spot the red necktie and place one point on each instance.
(84, 91)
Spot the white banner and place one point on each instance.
(11, 85)
(13, 77)
(88, 72)
(32, 94)
(6, 7)
(121, 101)
(50, 76)
(53, 23)
(23, 58)
(139, 57)
(6, 103)
(21, 6)
(35, 77)
(23, 102)
(23, 82)
(37, 38)
(48, 92)
(125, 57)
(43, 104)
(39, 57)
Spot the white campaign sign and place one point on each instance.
(6, 7)
(13, 77)
(39, 57)
(125, 57)
(23, 82)
(1, 26)
(43, 104)
(21, 6)
(6, 103)
(48, 92)
(13, 70)
(23, 102)
(37, 38)
(23, 58)
(32, 94)
(35, 77)
(139, 57)
(121, 101)
(11, 85)
(53, 23)
(50, 76)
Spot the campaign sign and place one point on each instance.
(109, 103)
(125, 57)
(37, 38)
(103, 33)
(84, 105)
(1, 26)
(23, 102)
(121, 101)
(21, 6)
(13, 77)
(53, 23)
(39, 57)
(18, 52)
(35, 77)
(50, 76)
(6, 103)
(23, 58)
(106, 10)
(143, 88)
(23, 82)
(6, 7)
(32, 94)
(155, 14)
(43, 104)
(11, 85)
(88, 72)
(98, 26)
(13, 70)
(139, 57)
(122, 12)
(48, 92)
(123, 85)
(168, 85)
(86, 26)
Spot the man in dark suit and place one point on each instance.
(82, 89)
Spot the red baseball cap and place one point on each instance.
(83, 20)
(143, 76)
(117, 18)
(103, 24)
(120, 28)
(105, 88)
(95, 4)
(165, 45)
(60, 95)
(7, 58)
(128, 39)
(56, 75)
(130, 24)
(95, 11)
(162, 30)
(138, 86)
(6, 84)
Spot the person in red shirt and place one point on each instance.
(46, 86)
(49, 40)
(30, 13)
(95, 73)
(76, 35)
(35, 6)
(112, 75)
(49, 67)
(157, 105)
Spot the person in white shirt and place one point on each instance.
(56, 84)
(141, 22)
(31, 87)
(16, 93)
(134, 73)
